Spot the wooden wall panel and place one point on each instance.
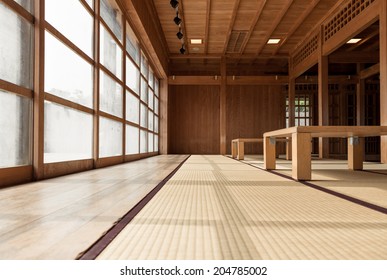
(253, 110)
(194, 120)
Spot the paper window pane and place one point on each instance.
(110, 53)
(16, 48)
(68, 134)
(58, 16)
(110, 138)
(110, 95)
(67, 75)
(132, 76)
(15, 129)
(132, 108)
(132, 140)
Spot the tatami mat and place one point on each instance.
(218, 208)
(369, 185)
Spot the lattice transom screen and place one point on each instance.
(308, 49)
(351, 10)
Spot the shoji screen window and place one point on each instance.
(16, 74)
(68, 77)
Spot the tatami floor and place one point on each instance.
(218, 208)
(214, 207)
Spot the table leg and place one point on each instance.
(355, 153)
(241, 150)
(301, 156)
(233, 149)
(289, 150)
(269, 153)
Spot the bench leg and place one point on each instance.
(269, 153)
(241, 150)
(301, 156)
(233, 150)
(355, 153)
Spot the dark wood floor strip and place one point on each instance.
(337, 194)
(97, 247)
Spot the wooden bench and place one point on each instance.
(238, 146)
(302, 145)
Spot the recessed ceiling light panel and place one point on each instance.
(353, 41)
(273, 41)
(196, 41)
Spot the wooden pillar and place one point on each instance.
(38, 144)
(291, 100)
(355, 153)
(360, 92)
(383, 76)
(163, 116)
(302, 156)
(323, 110)
(223, 93)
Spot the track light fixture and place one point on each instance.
(182, 50)
(179, 34)
(174, 3)
(177, 20)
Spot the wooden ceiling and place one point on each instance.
(240, 30)
(240, 27)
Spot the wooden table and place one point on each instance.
(302, 146)
(238, 146)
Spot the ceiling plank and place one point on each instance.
(297, 24)
(206, 36)
(274, 25)
(253, 24)
(233, 17)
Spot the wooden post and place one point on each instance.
(38, 143)
(301, 162)
(383, 76)
(355, 153)
(323, 109)
(163, 117)
(291, 100)
(360, 90)
(269, 155)
(223, 93)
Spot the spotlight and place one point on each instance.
(179, 34)
(177, 20)
(174, 3)
(182, 50)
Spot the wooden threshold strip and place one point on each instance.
(97, 247)
(331, 192)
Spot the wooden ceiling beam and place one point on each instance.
(231, 56)
(297, 24)
(354, 57)
(370, 71)
(275, 24)
(207, 31)
(232, 21)
(252, 25)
